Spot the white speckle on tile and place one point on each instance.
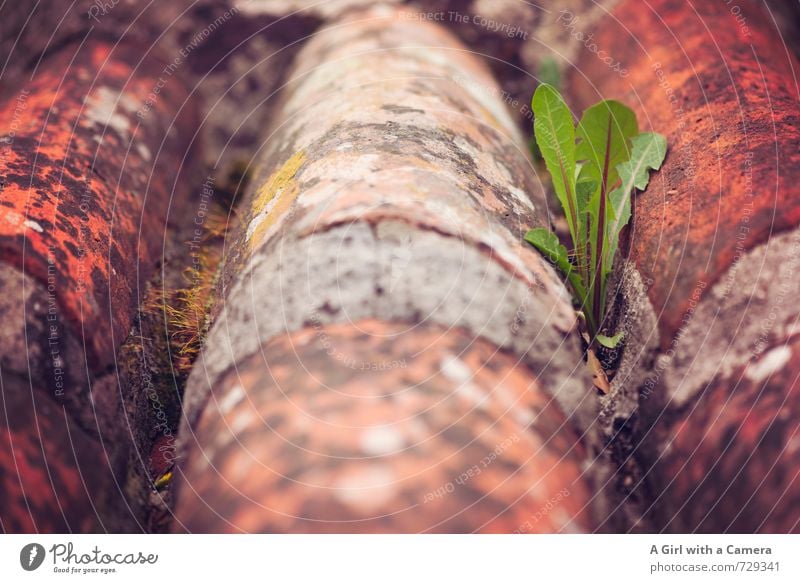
(101, 110)
(473, 394)
(455, 369)
(366, 489)
(523, 416)
(768, 364)
(229, 401)
(144, 151)
(241, 422)
(793, 329)
(34, 225)
(381, 440)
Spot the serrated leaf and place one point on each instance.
(555, 135)
(548, 244)
(549, 73)
(647, 153)
(604, 131)
(610, 341)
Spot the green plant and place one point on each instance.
(550, 74)
(594, 169)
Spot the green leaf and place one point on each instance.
(550, 74)
(585, 188)
(555, 135)
(548, 244)
(648, 152)
(605, 130)
(610, 341)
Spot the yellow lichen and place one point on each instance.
(278, 181)
(279, 191)
(162, 481)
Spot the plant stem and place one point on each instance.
(597, 307)
(573, 212)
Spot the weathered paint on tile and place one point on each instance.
(382, 427)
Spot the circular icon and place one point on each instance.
(31, 556)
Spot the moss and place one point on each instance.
(166, 337)
(187, 309)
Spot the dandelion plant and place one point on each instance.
(595, 167)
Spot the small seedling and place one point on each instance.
(594, 169)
